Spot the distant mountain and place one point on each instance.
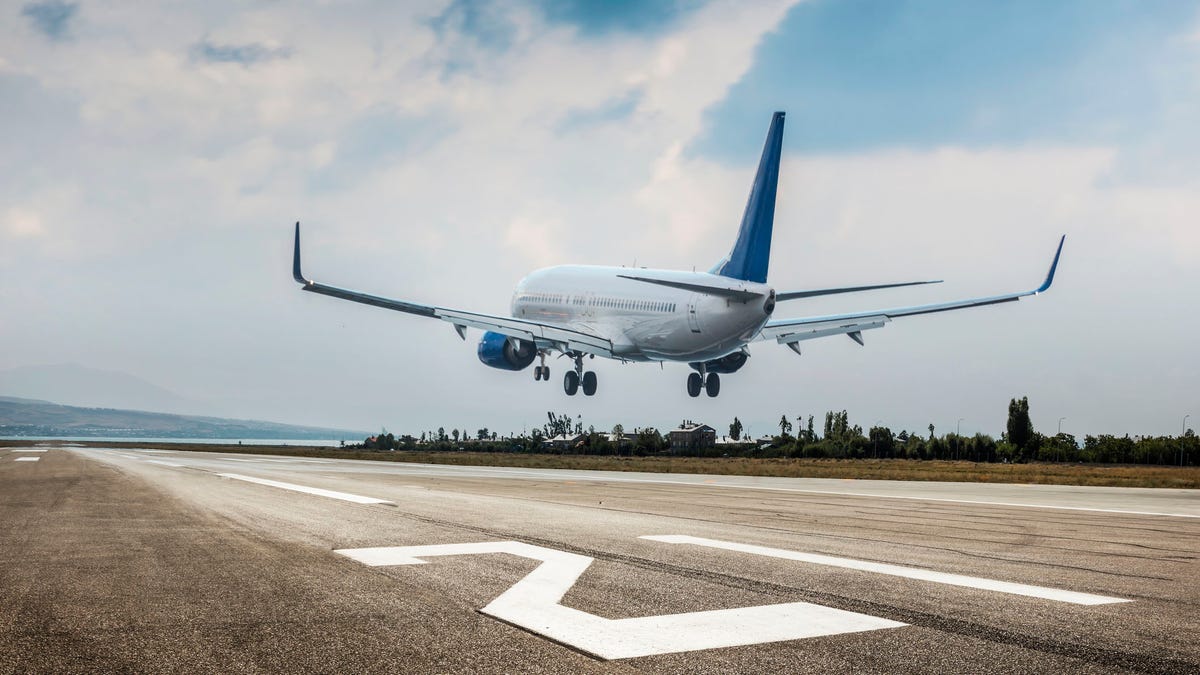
(72, 384)
(25, 417)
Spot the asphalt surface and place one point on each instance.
(162, 561)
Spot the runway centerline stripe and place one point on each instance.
(1043, 592)
(344, 496)
(533, 603)
(164, 463)
(26, 459)
(836, 493)
(28, 449)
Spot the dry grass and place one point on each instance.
(1124, 475)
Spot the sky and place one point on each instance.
(156, 156)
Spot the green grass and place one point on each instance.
(1114, 475)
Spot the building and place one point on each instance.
(564, 441)
(692, 436)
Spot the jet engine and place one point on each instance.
(730, 363)
(501, 351)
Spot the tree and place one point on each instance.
(454, 434)
(618, 433)
(559, 425)
(735, 429)
(483, 434)
(785, 427)
(441, 434)
(931, 431)
(1020, 429)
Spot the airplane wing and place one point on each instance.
(791, 332)
(541, 334)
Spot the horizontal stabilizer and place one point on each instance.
(720, 291)
(795, 295)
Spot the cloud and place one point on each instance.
(243, 54)
(52, 17)
(23, 223)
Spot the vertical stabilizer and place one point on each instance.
(751, 253)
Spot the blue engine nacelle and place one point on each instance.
(498, 351)
(730, 363)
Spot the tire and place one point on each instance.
(537, 372)
(712, 385)
(694, 384)
(571, 382)
(589, 383)
(546, 373)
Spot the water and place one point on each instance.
(208, 441)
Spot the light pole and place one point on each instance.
(1182, 433)
(1057, 447)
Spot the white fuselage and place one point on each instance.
(644, 321)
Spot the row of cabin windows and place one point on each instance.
(643, 305)
(612, 303)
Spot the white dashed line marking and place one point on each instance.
(1055, 594)
(162, 463)
(26, 459)
(344, 496)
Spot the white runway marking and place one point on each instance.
(28, 449)
(156, 452)
(26, 459)
(121, 454)
(163, 463)
(357, 499)
(273, 459)
(897, 570)
(533, 604)
(836, 493)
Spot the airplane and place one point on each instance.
(704, 319)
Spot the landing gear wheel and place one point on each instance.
(589, 383)
(571, 382)
(537, 372)
(694, 384)
(712, 385)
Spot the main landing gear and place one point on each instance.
(573, 379)
(710, 383)
(541, 371)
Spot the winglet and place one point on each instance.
(296, 260)
(1053, 267)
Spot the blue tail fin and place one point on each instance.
(751, 253)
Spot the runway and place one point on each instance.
(166, 561)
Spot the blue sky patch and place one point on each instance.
(860, 74)
(51, 18)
